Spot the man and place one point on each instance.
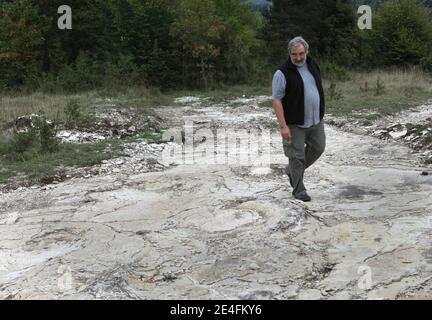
(298, 100)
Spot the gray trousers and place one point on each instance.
(306, 146)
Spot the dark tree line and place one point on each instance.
(162, 43)
(197, 43)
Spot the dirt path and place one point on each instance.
(226, 231)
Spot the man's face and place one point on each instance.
(298, 55)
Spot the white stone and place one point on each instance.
(379, 133)
(398, 134)
(261, 171)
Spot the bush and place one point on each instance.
(364, 87)
(72, 115)
(332, 71)
(333, 93)
(47, 135)
(84, 74)
(37, 138)
(402, 33)
(379, 87)
(121, 72)
(21, 36)
(23, 140)
(75, 117)
(426, 63)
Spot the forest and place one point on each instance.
(199, 43)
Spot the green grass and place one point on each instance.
(148, 136)
(417, 128)
(74, 111)
(401, 90)
(139, 98)
(34, 165)
(266, 104)
(52, 105)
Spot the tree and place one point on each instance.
(162, 43)
(62, 47)
(21, 36)
(327, 25)
(198, 29)
(240, 50)
(402, 33)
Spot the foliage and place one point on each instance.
(21, 36)
(117, 44)
(402, 34)
(327, 25)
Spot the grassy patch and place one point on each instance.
(151, 137)
(266, 104)
(415, 128)
(77, 117)
(35, 165)
(32, 164)
(60, 106)
(52, 105)
(139, 98)
(379, 92)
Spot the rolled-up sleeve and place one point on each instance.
(278, 85)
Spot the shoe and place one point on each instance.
(303, 196)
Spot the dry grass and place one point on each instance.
(401, 89)
(52, 105)
(396, 78)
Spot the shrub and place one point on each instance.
(76, 117)
(121, 73)
(23, 140)
(47, 135)
(364, 87)
(332, 71)
(333, 93)
(426, 62)
(73, 114)
(379, 87)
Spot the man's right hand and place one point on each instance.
(286, 133)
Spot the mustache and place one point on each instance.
(299, 62)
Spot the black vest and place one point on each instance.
(293, 101)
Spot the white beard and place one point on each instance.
(301, 64)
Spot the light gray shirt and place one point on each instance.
(311, 94)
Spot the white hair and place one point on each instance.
(295, 42)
